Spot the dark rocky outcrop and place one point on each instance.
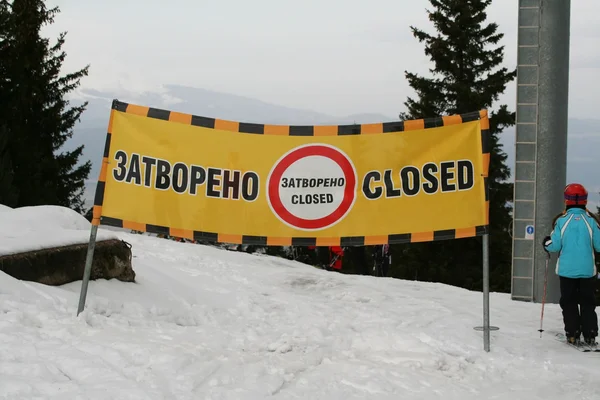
(60, 265)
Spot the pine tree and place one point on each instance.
(466, 76)
(8, 191)
(37, 117)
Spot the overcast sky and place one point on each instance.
(334, 56)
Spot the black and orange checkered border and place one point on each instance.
(294, 130)
(298, 241)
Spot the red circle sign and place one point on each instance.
(312, 187)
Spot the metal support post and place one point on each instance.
(88, 268)
(541, 141)
(486, 292)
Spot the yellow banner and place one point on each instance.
(205, 178)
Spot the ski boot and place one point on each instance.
(573, 340)
(591, 342)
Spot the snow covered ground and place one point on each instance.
(204, 323)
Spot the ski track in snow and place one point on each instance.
(203, 323)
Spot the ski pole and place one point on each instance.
(544, 297)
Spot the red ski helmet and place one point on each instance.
(575, 195)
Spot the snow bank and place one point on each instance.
(203, 323)
(34, 228)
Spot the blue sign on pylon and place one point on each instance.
(529, 231)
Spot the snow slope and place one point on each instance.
(204, 323)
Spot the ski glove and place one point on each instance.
(547, 241)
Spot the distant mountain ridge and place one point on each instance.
(213, 104)
(584, 134)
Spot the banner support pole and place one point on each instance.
(88, 268)
(486, 291)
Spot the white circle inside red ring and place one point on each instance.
(338, 165)
(312, 169)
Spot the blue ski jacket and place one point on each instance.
(575, 236)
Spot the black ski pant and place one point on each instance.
(576, 293)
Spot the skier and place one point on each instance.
(575, 236)
(336, 254)
(381, 260)
(387, 260)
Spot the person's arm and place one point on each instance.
(553, 243)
